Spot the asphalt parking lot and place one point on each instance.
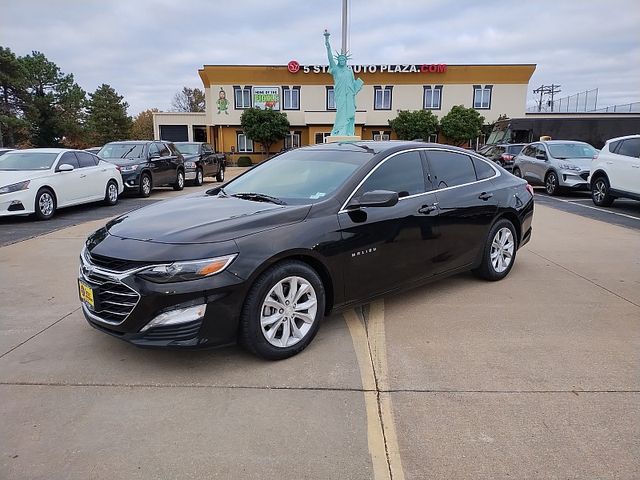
(533, 377)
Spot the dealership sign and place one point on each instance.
(294, 67)
(266, 97)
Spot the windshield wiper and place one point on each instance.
(128, 151)
(259, 197)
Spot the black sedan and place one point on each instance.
(265, 257)
(200, 160)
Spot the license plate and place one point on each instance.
(86, 293)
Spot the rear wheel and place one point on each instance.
(179, 185)
(551, 184)
(499, 251)
(111, 193)
(517, 172)
(282, 311)
(600, 192)
(220, 175)
(45, 205)
(145, 185)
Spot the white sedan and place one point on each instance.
(41, 180)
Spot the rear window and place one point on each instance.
(515, 149)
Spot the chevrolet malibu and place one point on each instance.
(263, 258)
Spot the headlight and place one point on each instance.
(189, 270)
(189, 164)
(15, 187)
(129, 168)
(569, 166)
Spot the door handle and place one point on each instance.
(635, 166)
(82, 176)
(424, 209)
(609, 163)
(485, 196)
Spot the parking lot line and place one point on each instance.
(594, 208)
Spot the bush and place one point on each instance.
(244, 161)
(411, 125)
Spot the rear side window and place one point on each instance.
(630, 148)
(402, 173)
(69, 158)
(614, 145)
(86, 159)
(529, 150)
(515, 149)
(450, 169)
(483, 170)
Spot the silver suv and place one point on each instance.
(556, 164)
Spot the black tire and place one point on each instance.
(45, 204)
(199, 180)
(516, 171)
(179, 184)
(109, 198)
(251, 334)
(486, 270)
(551, 185)
(220, 175)
(600, 189)
(146, 185)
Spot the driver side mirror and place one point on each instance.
(153, 156)
(374, 198)
(540, 156)
(65, 167)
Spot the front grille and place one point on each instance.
(115, 300)
(114, 264)
(584, 176)
(185, 331)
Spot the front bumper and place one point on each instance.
(573, 179)
(17, 203)
(125, 303)
(131, 180)
(190, 173)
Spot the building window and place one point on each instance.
(320, 136)
(292, 140)
(381, 136)
(242, 97)
(382, 98)
(245, 144)
(331, 99)
(482, 96)
(432, 99)
(291, 98)
(433, 138)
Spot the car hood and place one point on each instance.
(123, 162)
(583, 163)
(9, 177)
(202, 218)
(190, 157)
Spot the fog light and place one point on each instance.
(174, 317)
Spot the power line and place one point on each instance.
(550, 90)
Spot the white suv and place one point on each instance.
(615, 171)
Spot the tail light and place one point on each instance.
(507, 157)
(529, 189)
(118, 167)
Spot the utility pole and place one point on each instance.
(344, 25)
(550, 90)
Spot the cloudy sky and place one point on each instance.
(147, 50)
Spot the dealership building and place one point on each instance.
(305, 94)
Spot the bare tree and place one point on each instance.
(188, 100)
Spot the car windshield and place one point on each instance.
(571, 150)
(188, 148)
(300, 176)
(122, 150)
(27, 161)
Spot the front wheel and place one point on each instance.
(111, 193)
(551, 184)
(45, 205)
(282, 311)
(220, 175)
(179, 185)
(199, 180)
(145, 185)
(600, 193)
(499, 251)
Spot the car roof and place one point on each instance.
(510, 144)
(625, 137)
(49, 150)
(141, 142)
(375, 147)
(178, 143)
(553, 142)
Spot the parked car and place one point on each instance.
(93, 150)
(503, 155)
(146, 164)
(41, 180)
(5, 150)
(615, 171)
(200, 160)
(265, 257)
(556, 164)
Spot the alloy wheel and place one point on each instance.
(502, 248)
(550, 184)
(112, 193)
(45, 204)
(199, 179)
(600, 191)
(180, 179)
(146, 185)
(288, 312)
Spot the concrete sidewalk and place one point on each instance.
(536, 377)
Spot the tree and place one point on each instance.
(461, 124)
(12, 125)
(142, 128)
(265, 126)
(411, 125)
(107, 118)
(188, 100)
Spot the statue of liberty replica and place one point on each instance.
(345, 88)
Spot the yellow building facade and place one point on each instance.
(305, 94)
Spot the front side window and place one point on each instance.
(432, 97)
(291, 98)
(331, 99)
(164, 150)
(382, 98)
(69, 158)
(401, 173)
(630, 148)
(245, 144)
(242, 97)
(482, 96)
(540, 152)
(529, 151)
(450, 169)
